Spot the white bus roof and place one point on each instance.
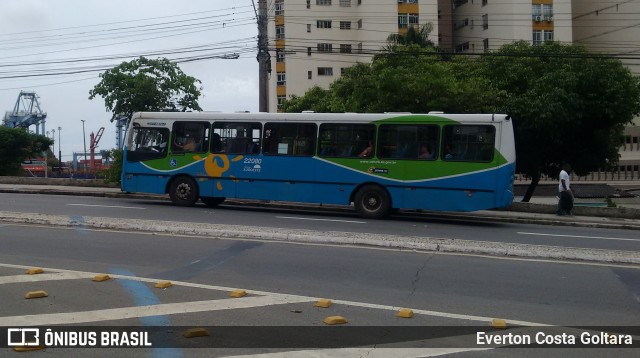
(322, 117)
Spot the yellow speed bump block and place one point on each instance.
(323, 303)
(28, 348)
(498, 323)
(164, 284)
(101, 277)
(334, 320)
(36, 294)
(238, 293)
(34, 271)
(404, 313)
(195, 332)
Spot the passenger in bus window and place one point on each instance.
(216, 143)
(448, 152)
(368, 151)
(425, 153)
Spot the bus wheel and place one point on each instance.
(372, 202)
(183, 191)
(211, 201)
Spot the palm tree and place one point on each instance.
(413, 36)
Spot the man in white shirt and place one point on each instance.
(565, 194)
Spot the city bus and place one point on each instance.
(378, 163)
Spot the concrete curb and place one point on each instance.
(429, 244)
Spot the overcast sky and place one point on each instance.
(44, 31)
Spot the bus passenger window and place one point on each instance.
(347, 140)
(469, 143)
(298, 139)
(408, 141)
(236, 137)
(190, 137)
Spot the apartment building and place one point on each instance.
(483, 25)
(611, 27)
(312, 41)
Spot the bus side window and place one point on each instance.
(236, 137)
(190, 137)
(298, 139)
(346, 140)
(469, 143)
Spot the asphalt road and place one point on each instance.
(407, 226)
(284, 280)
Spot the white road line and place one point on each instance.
(56, 276)
(579, 236)
(276, 297)
(441, 314)
(313, 219)
(147, 311)
(110, 206)
(366, 352)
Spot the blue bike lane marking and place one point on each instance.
(143, 296)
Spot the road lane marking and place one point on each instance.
(314, 219)
(579, 236)
(44, 277)
(110, 206)
(112, 314)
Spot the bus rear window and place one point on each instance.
(468, 143)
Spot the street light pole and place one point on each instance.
(84, 138)
(59, 151)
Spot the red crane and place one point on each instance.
(93, 144)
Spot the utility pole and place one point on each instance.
(59, 151)
(264, 58)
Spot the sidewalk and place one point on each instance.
(541, 210)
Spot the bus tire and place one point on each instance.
(212, 202)
(183, 191)
(372, 202)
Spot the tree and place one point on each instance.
(17, 145)
(567, 105)
(113, 173)
(146, 85)
(413, 36)
(406, 78)
(315, 99)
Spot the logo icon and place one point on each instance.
(173, 163)
(23, 337)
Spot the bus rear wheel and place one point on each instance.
(183, 191)
(211, 202)
(372, 202)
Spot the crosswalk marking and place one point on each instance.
(54, 276)
(266, 299)
(112, 314)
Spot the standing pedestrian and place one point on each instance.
(565, 193)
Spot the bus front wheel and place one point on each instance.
(183, 191)
(211, 202)
(372, 202)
